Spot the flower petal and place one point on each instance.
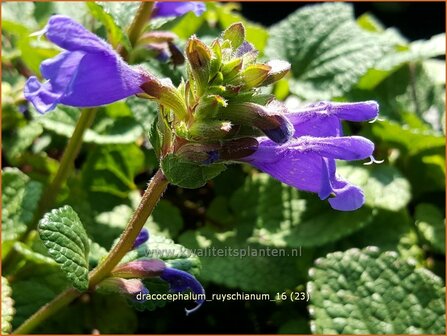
(314, 124)
(180, 281)
(167, 8)
(347, 197)
(71, 35)
(359, 111)
(42, 96)
(102, 79)
(142, 237)
(344, 148)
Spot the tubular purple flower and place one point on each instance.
(180, 281)
(308, 163)
(324, 118)
(167, 8)
(142, 237)
(89, 73)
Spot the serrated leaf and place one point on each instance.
(327, 49)
(430, 222)
(368, 292)
(67, 242)
(187, 174)
(20, 197)
(384, 186)
(114, 124)
(115, 34)
(7, 307)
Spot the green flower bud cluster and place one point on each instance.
(218, 110)
(221, 93)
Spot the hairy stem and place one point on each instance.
(148, 202)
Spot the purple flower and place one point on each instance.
(307, 162)
(88, 73)
(324, 118)
(168, 8)
(179, 281)
(142, 237)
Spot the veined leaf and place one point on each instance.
(66, 240)
(116, 34)
(368, 292)
(20, 197)
(7, 307)
(329, 52)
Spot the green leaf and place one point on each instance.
(412, 141)
(383, 185)
(115, 33)
(122, 13)
(236, 264)
(368, 292)
(144, 111)
(187, 174)
(431, 225)
(109, 170)
(7, 307)
(20, 197)
(327, 49)
(114, 124)
(166, 220)
(38, 286)
(21, 13)
(415, 52)
(21, 139)
(254, 33)
(421, 154)
(66, 240)
(271, 213)
(109, 314)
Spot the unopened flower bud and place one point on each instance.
(209, 131)
(254, 75)
(208, 107)
(199, 57)
(142, 237)
(269, 119)
(141, 268)
(235, 34)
